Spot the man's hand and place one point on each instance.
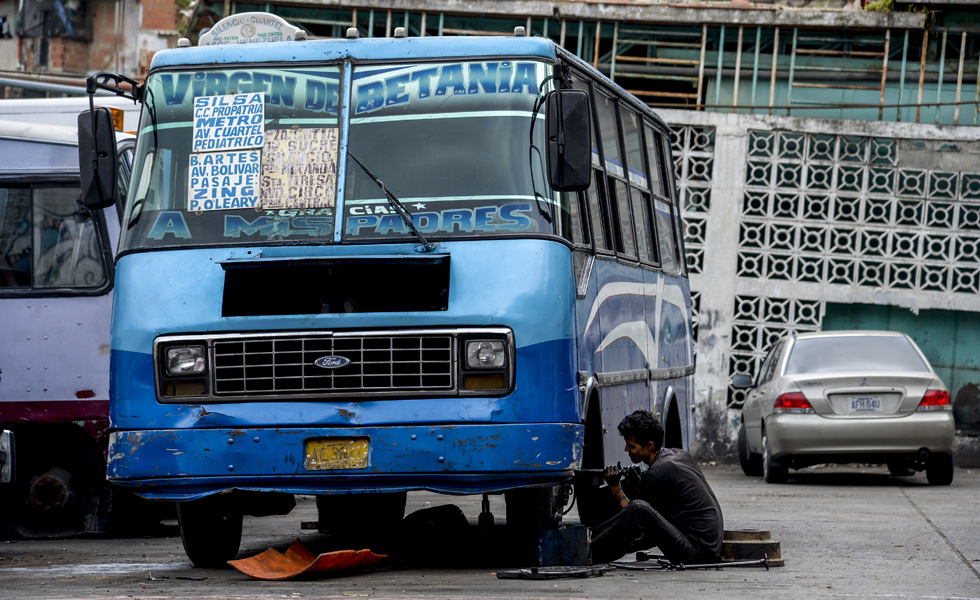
(612, 474)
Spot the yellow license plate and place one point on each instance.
(337, 453)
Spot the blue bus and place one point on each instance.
(355, 268)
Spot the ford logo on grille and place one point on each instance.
(331, 362)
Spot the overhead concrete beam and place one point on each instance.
(765, 15)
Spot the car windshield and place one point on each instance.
(854, 353)
(250, 155)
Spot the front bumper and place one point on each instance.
(184, 464)
(809, 434)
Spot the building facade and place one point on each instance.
(52, 45)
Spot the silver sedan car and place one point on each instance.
(843, 397)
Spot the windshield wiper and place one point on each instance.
(396, 204)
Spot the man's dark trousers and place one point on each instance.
(638, 527)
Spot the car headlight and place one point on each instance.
(485, 354)
(185, 360)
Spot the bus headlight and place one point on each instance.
(185, 360)
(485, 354)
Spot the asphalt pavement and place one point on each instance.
(844, 531)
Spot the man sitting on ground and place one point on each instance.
(674, 508)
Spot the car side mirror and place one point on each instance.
(569, 140)
(742, 381)
(97, 158)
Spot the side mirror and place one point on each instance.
(742, 381)
(97, 158)
(569, 140)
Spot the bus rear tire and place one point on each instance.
(210, 531)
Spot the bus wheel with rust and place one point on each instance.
(55, 492)
(210, 530)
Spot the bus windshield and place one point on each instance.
(251, 155)
(460, 144)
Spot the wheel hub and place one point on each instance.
(50, 491)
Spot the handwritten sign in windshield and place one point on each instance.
(299, 168)
(231, 122)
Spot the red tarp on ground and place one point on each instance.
(274, 565)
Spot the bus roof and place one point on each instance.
(356, 49)
(382, 49)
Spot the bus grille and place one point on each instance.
(285, 366)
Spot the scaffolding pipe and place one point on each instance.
(738, 69)
(922, 73)
(942, 69)
(959, 79)
(901, 78)
(773, 71)
(884, 73)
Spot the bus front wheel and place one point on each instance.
(210, 530)
(595, 503)
(534, 509)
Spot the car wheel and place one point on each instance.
(900, 469)
(211, 533)
(772, 470)
(750, 462)
(939, 469)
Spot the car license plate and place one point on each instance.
(337, 453)
(860, 404)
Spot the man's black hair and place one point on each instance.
(643, 426)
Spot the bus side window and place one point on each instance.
(598, 214)
(44, 245)
(663, 213)
(125, 171)
(577, 232)
(615, 175)
(573, 221)
(671, 184)
(639, 186)
(16, 237)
